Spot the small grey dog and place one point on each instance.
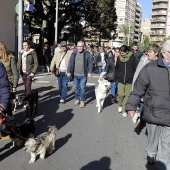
(44, 142)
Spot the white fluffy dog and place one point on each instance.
(44, 142)
(101, 91)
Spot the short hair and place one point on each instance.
(166, 46)
(135, 44)
(82, 42)
(154, 48)
(124, 48)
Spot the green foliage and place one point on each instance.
(99, 15)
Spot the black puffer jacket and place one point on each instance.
(110, 65)
(153, 83)
(124, 71)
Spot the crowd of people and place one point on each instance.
(138, 82)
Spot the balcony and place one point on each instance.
(158, 26)
(138, 14)
(136, 35)
(136, 24)
(155, 33)
(138, 9)
(159, 13)
(154, 1)
(158, 20)
(136, 29)
(160, 6)
(137, 19)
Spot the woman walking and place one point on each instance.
(27, 65)
(124, 71)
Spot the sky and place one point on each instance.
(146, 8)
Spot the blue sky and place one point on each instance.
(146, 8)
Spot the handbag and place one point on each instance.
(57, 71)
(110, 77)
(100, 63)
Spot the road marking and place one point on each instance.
(4, 138)
(90, 84)
(43, 82)
(95, 76)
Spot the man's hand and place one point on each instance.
(89, 75)
(131, 113)
(68, 74)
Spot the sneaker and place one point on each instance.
(119, 109)
(124, 114)
(62, 101)
(82, 104)
(151, 160)
(77, 102)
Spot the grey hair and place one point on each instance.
(166, 46)
(82, 42)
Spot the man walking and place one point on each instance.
(61, 60)
(153, 83)
(80, 68)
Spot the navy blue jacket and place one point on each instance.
(88, 63)
(4, 87)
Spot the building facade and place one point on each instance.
(129, 12)
(160, 22)
(8, 20)
(145, 29)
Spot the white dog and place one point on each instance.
(101, 91)
(44, 142)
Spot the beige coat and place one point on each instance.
(57, 57)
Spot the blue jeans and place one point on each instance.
(100, 70)
(80, 87)
(113, 89)
(62, 85)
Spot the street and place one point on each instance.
(86, 139)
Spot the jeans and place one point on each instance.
(80, 87)
(100, 69)
(113, 89)
(62, 85)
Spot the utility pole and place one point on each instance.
(20, 25)
(56, 21)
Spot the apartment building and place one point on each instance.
(129, 12)
(160, 22)
(8, 22)
(145, 29)
(120, 6)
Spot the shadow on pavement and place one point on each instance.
(102, 164)
(9, 151)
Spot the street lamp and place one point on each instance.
(56, 21)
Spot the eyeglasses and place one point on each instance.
(79, 46)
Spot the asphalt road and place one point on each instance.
(86, 140)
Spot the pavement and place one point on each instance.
(86, 139)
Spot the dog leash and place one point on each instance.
(12, 128)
